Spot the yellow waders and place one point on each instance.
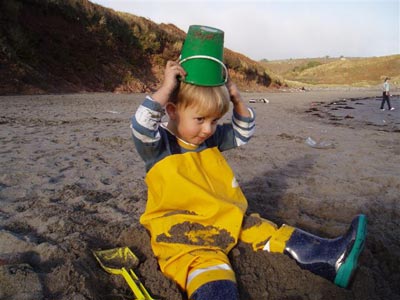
(194, 213)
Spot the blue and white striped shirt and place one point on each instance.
(153, 140)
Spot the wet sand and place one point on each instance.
(72, 182)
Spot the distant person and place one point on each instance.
(386, 94)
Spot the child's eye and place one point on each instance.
(215, 121)
(200, 119)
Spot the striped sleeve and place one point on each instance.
(146, 121)
(243, 127)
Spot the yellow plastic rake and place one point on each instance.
(118, 261)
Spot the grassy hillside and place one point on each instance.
(73, 45)
(284, 66)
(338, 71)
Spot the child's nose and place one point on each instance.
(207, 128)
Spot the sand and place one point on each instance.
(72, 182)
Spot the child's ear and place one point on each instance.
(171, 110)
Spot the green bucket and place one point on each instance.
(202, 56)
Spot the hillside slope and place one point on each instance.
(55, 46)
(338, 71)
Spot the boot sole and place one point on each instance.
(346, 270)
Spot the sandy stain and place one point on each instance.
(197, 234)
(180, 212)
(250, 221)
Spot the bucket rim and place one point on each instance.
(181, 61)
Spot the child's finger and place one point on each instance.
(170, 64)
(180, 70)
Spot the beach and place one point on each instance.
(72, 182)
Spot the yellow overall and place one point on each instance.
(194, 214)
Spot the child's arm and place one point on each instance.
(241, 129)
(238, 105)
(173, 70)
(146, 120)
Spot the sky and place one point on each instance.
(272, 29)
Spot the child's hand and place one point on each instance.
(236, 99)
(233, 92)
(173, 70)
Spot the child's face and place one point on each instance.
(192, 126)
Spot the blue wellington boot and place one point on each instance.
(334, 259)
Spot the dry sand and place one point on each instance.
(71, 181)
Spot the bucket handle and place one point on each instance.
(210, 58)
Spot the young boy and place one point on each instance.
(195, 208)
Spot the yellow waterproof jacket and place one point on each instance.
(194, 203)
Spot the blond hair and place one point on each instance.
(208, 100)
